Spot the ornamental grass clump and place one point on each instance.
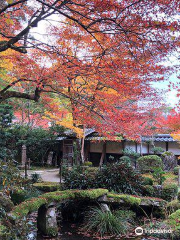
(104, 222)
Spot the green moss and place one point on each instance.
(33, 204)
(174, 220)
(18, 196)
(131, 200)
(52, 232)
(91, 194)
(48, 186)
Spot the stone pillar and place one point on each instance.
(23, 156)
(47, 221)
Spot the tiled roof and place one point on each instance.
(159, 138)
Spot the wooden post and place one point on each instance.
(82, 146)
(179, 177)
(102, 155)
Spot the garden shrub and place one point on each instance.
(78, 178)
(125, 159)
(169, 192)
(158, 176)
(147, 181)
(169, 161)
(176, 170)
(159, 225)
(174, 219)
(149, 191)
(173, 205)
(35, 177)
(148, 163)
(118, 177)
(20, 195)
(87, 164)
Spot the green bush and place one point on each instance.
(107, 222)
(169, 192)
(87, 164)
(118, 177)
(174, 220)
(158, 175)
(147, 181)
(148, 163)
(159, 235)
(173, 205)
(20, 195)
(78, 178)
(125, 159)
(176, 170)
(149, 191)
(35, 177)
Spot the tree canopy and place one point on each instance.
(95, 62)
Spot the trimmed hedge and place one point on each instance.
(148, 163)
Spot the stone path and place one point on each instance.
(47, 175)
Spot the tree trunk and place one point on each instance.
(102, 155)
(82, 146)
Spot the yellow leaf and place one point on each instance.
(9, 1)
(9, 21)
(4, 181)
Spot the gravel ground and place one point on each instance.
(46, 174)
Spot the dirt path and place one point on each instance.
(47, 175)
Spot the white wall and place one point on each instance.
(174, 147)
(116, 147)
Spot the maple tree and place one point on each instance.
(95, 65)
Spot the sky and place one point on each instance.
(169, 95)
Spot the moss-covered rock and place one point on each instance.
(123, 198)
(35, 203)
(48, 186)
(135, 200)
